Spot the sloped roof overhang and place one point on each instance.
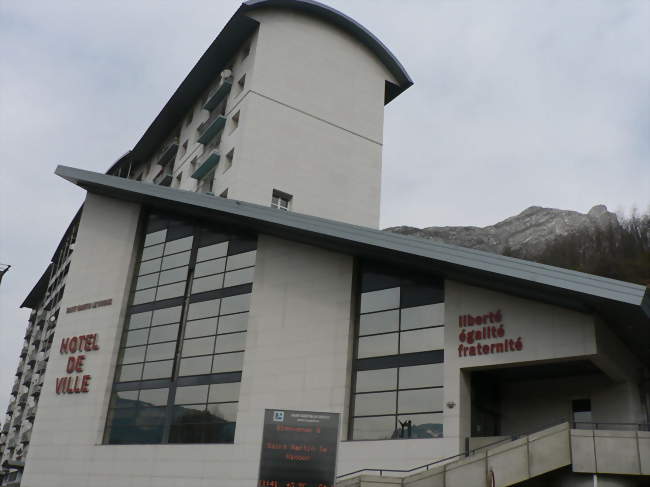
(623, 305)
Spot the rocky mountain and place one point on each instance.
(526, 235)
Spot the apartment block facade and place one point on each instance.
(231, 263)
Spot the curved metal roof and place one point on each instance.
(348, 24)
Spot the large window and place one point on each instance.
(398, 366)
(181, 356)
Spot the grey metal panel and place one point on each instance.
(356, 239)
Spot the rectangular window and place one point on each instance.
(229, 158)
(280, 200)
(398, 364)
(180, 361)
(235, 122)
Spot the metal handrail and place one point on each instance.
(465, 453)
(595, 425)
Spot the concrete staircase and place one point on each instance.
(509, 463)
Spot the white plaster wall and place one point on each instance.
(330, 173)
(66, 426)
(548, 333)
(311, 121)
(317, 67)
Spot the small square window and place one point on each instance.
(241, 82)
(224, 194)
(280, 200)
(229, 158)
(246, 51)
(184, 148)
(235, 122)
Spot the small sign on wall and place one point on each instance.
(298, 449)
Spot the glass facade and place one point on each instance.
(181, 356)
(398, 363)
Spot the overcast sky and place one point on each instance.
(515, 103)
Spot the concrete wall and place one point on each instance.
(67, 426)
(311, 121)
(547, 333)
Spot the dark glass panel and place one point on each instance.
(214, 251)
(191, 395)
(242, 276)
(235, 304)
(155, 238)
(173, 275)
(376, 380)
(232, 323)
(422, 340)
(144, 296)
(124, 399)
(209, 237)
(198, 346)
(175, 260)
(149, 280)
(374, 403)
(241, 243)
(123, 416)
(228, 362)
(378, 428)
(130, 372)
(224, 412)
(136, 337)
(163, 333)
(154, 397)
(203, 309)
(157, 370)
(161, 351)
(196, 365)
(203, 284)
(421, 294)
(210, 267)
(178, 229)
(230, 343)
(381, 322)
(139, 320)
(429, 375)
(149, 266)
(374, 280)
(224, 392)
(420, 400)
(200, 328)
(422, 425)
(179, 245)
(422, 316)
(152, 252)
(170, 291)
(380, 300)
(133, 355)
(156, 222)
(239, 261)
(166, 315)
(377, 345)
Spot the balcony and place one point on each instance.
(27, 379)
(19, 373)
(15, 389)
(31, 414)
(207, 163)
(217, 95)
(29, 331)
(164, 177)
(26, 436)
(22, 399)
(36, 391)
(23, 352)
(11, 443)
(168, 152)
(5, 428)
(211, 127)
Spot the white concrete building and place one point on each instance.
(181, 316)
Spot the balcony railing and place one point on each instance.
(36, 391)
(211, 127)
(27, 379)
(168, 151)
(15, 389)
(207, 162)
(11, 443)
(217, 95)
(164, 177)
(31, 414)
(23, 352)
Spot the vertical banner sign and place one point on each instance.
(298, 449)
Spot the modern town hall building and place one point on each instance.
(231, 263)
